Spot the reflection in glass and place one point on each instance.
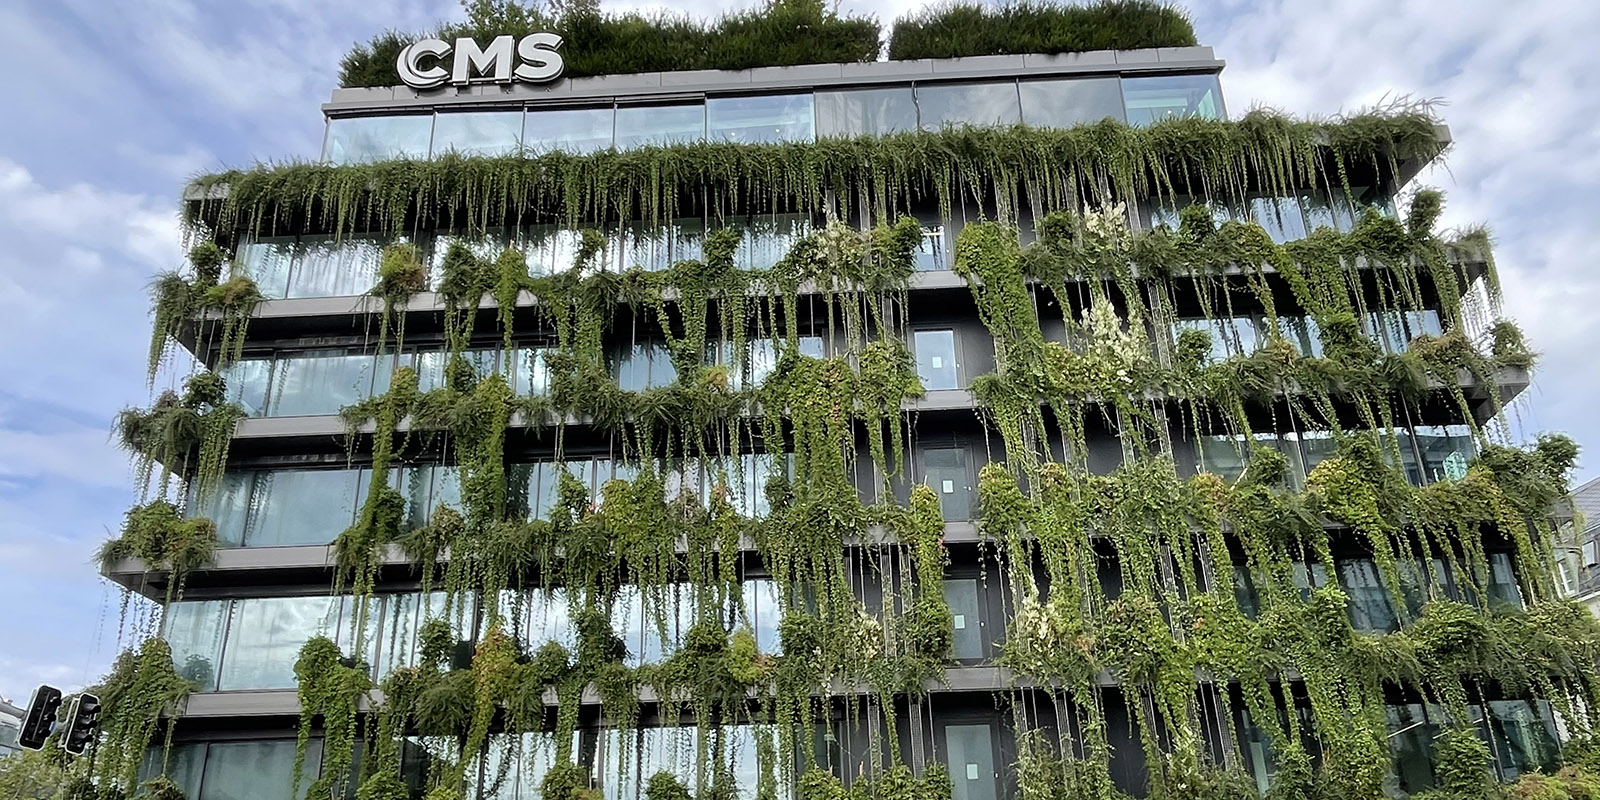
(570, 130)
(969, 754)
(936, 359)
(552, 249)
(1064, 103)
(640, 126)
(319, 383)
(326, 266)
(194, 630)
(477, 133)
(299, 507)
(352, 140)
(256, 770)
(1279, 216)
(1370, 607)
(866, 112)
(983, 104)
(267, 260)
(181, 764)
(930, 252)
(962, 597)
(768, 239)
(1154, 99)
(265, 636)
(247, 384)
(656, 248)
(766, 119)
(1445, 450)
(945, 470)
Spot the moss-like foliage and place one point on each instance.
(159, 535)
(776, 34)
(1261, 151)
(958, 29)
(186, 436)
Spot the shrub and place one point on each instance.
(965, 28)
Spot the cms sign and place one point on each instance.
(535, 59)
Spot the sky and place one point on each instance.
(117, 104)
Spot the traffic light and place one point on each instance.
(83, 722)
(41, 718)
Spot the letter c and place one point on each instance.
(415, 77)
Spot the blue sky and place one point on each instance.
(117, 104)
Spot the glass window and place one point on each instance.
(403, 617)
(640, 126)
(352, 140)
(945, 469)
(1523, 737)
(1411, 735)
(767, 240)
(183, 763)
(194, 630)
(477, 133)
(656, 248)
(1445, 450)
(1064, 103)
(267, 260)
(552, 249)
(986, 104)
(936, 359)
(1307, 577)
(301, 506)
(228, 507)
(1303, 333)
(1370, 609)
(431, 366)
(930, 255)
(1504, 593)
(770, 118)
(1321, 212)
(547, 619)
(313, 383)
(487, 244)
(969, 754)
(1223, 456)
(247, 384)
(642, 366)
(1245, 592)
(1162, 97)
(530, 372)
(763, 611)
(866, 112)
(265, 636)
(541, 483)
(326, 266)
(1394, 329)
(966, 617)
(514, 766)
(569, 130)
(1279, 216)
(256, 770)
(1317, 447)
(1229, 335)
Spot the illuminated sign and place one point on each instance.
(534, 59)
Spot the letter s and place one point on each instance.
(542, 62)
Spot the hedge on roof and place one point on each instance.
(956, 29)
(778, 33)
(1263, 151)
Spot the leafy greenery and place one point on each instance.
(779, 33)
(186, 435)
(958, 29)
(159, 535)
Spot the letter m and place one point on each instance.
(493, 63)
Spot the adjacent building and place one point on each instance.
(296, 478)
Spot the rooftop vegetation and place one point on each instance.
(959, 29)
(787, 32)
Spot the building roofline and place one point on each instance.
(662, 86)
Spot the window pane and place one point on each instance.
(945, 469)
(930, 252)
(638, 126)
(569, 130)
(866, 112)
(247, 384)
(1504, 593)
(767, 240)
(968, 104)
(1370, 609)
(319, 383)
(298, 507)
(520, 761)
(228, 507)
(1411, 736)
(1445, 449)
(772, 118)
(969, 753)
(265, 637)
(486, 244)
(431, 366)
(256, 771)
(480, 133)
(1280, 216)
(1303, 333)
(1222, 456)
(1523, 737)
(267, 261)
(936, 359)
(763, 612)
(353, 140)
(403, 616)
(1064, 103)
(962, 597)
(183, 765)
(194, 630)
(326, 267)
(1157, 98)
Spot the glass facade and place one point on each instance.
(1285, 218)
(773, 118)
(224, 770)
(310, 266)
(935, 352)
